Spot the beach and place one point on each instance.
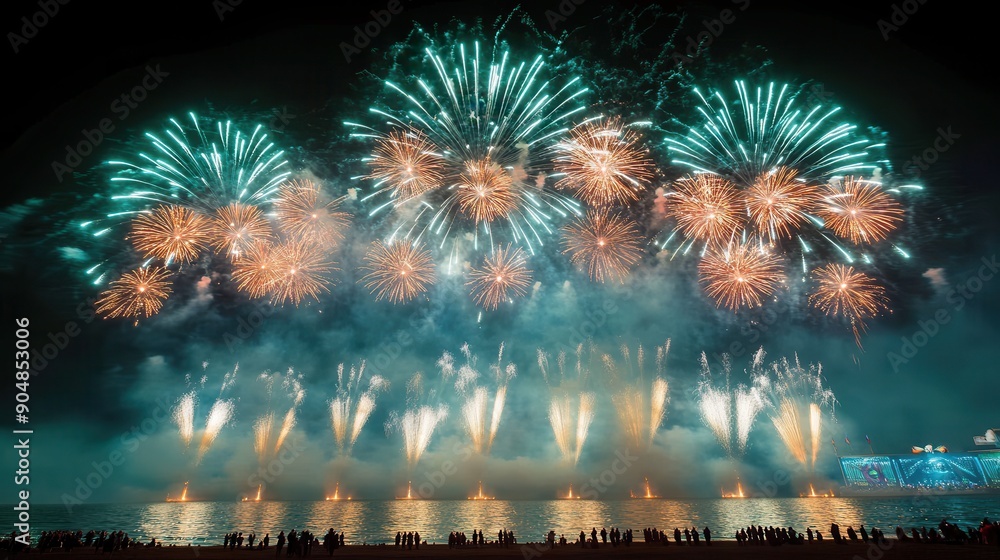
(717, 550)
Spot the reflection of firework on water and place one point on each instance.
(349, 411)
(471, 149)
(302, 269)
(137, 293)
(796, 401)
(234, 227)
(860, 211)
(399, 271)
(706, 208)
(718, 403)
(170, 233)
(218, 417)
(305, 213)
(404, 164)
(571, 410)
(842, 292)
(602, 164)
(184, 417)
(740, 275)
(481, 421)
(640, 405)
(504, 276)
(606, 245)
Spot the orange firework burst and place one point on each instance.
(171, 233)
(860, 211)
(405, 163)
(842, 292)
(305, 212)
(137, 293)
(607, 245)
(777, 203)
(740, 275)
(302, 267)
(399, 271)
(706, 207)
(504, 275)
(485, 191)
(235, 227)
(257, 270)
(603, 164)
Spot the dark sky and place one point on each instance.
(264, 60)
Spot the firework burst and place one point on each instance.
(137, 293)
(301, 269)
(740, 275)
(473, 146)
(504, 275)
(602, 164)
(860, 211)
(405, 165)
(843, 292)
(398, 271)
(235, 227)
(778, 204)
(171, 233)
(706, 208)
(305, 213)
(606, 245)
(766, 129)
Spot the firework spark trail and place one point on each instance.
(353, 405)
(514, 122)
(480, 421)
(418, 427)
(571, 410)
(602, 164)
(286, 427)
(797, 401)
(220, 415)
(184, 417)
(729, 413)
(639, 404)
(262, 435)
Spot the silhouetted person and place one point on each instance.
(864, 534)
(281, 542)
(687, 535)
(604, 535)
(399, 537)
(677, 535)
(708, 537)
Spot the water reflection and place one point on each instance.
(206, 523)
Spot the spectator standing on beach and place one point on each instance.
(399, 536)
(851, 533)
(864, 534)
(708, 537)
(604, 535)
(281, 542)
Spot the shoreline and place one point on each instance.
(721, 549)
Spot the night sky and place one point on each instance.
(284, 65)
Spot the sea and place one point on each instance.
(373, 522)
